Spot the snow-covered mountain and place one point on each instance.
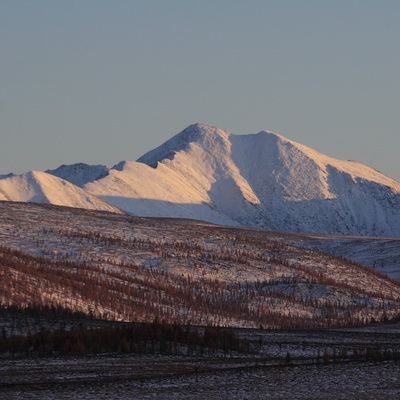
(41, 187)
(260, 180)
(80, 173)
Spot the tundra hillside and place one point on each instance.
(125, 268)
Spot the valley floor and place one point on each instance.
(270, 374)
(174, 378)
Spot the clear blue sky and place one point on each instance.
(100, 81)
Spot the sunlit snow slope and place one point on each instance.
(41, 187)
(262, 180)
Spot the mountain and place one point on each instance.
(80, 173)
(261, 180)
(41, 187)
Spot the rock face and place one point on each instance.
(259, 180)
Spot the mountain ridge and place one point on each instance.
(45, 188)
(261, 180)
(80, 173)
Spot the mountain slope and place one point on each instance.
(41, 187)
(262, 180)
(80, 173)
(135, 269)
(259, 180)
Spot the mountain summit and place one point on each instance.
(203, 135)
(261, 180)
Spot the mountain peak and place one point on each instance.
(266, 180)
(202, 128)
(80, 173)
(195, 133)
(199, 133)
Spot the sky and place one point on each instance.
(100, 81)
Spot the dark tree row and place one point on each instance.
(139, 338)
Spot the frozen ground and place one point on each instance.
(298, 382)
(176, 379)
(266, 376)
(225, 275)
(181, 271)
(380, 253)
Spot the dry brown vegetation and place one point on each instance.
(136, 269)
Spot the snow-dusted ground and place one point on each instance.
(260, 377)
(63, 234)
(335, 382)
(380, 253)
(182, 270)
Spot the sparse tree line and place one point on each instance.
(166, 249)
(88, 336)
(156, 337)
(361, 353)
(195, 254)
(351, 354)
(133, 292)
